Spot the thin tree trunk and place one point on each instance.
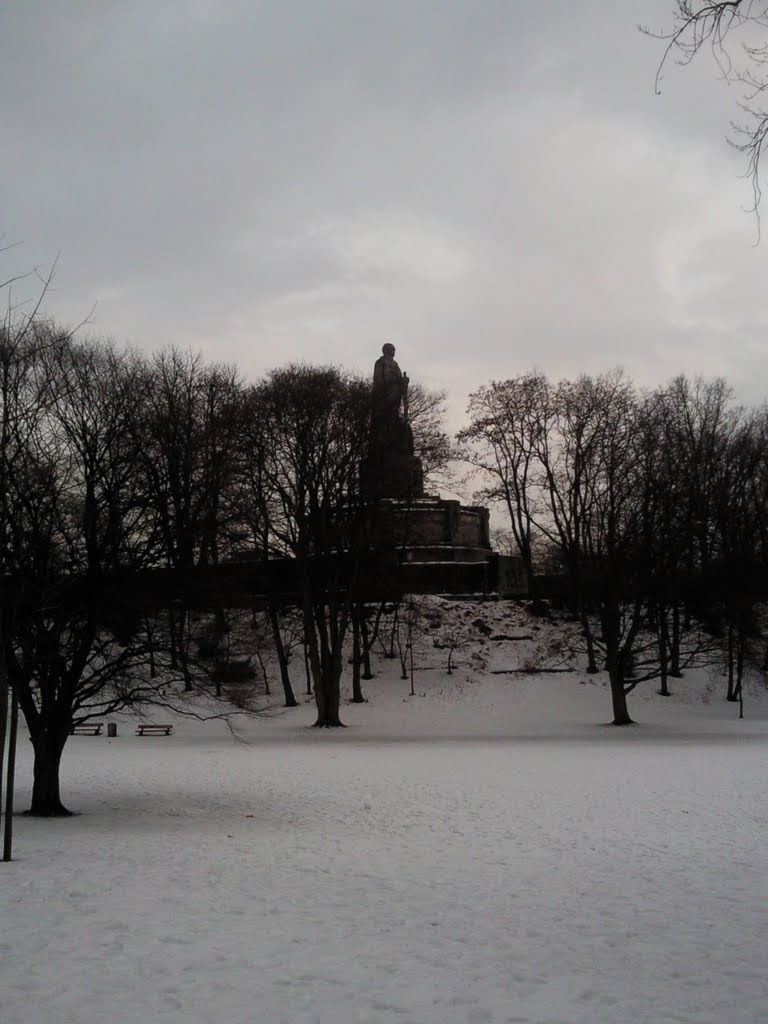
(282, 659)
(609, 622)
(357, 692)
(184, 655)
(731, 694)
(263, 668)
(150, 631)
(221, 635)
(403, 654)
(591, 660)
(741, 644)
(368, 638)
(674, 652)
(4, 694)
(172, 638)
(366, 642)
(389, 652)
(11, 779)
(307, 670)
(410, 649)
(661, 626)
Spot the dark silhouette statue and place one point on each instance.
(392, 470)
(390, 385)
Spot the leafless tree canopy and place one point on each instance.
(735, 33)
(653, 503)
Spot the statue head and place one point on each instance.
(388, 350)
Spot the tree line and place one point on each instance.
(650, 505)
(113, 462)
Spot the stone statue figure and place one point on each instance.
(390, 385)
(392, 470)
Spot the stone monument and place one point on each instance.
(392, 470)
(435, 538)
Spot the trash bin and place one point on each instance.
(112, 729)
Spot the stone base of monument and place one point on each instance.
(496, 576)
(443, 546)
(429, 522)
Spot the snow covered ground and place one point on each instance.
(484, 851)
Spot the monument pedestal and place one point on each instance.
(431, 528)
(444, 547)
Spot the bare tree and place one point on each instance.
(189, 430)
(316, 428)
(508, 419)
(432, 444)
(77, 518)
(452, 637)
(24, 334)
(736, 577)
(410, 634)
(256, 510)
(735, 32)
(17, 342)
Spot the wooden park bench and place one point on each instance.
(87, 729)
(153, 729)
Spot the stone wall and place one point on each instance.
(437, 521)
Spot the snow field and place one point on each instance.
(485, 852)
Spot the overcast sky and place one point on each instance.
(489, 184)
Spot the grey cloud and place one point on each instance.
(488, 184)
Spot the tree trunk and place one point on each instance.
(150, 631)
(661, 626)
(614, 662)
(591, 660)
(184, 651)
(366, 643)
(263, 668)
(221, 635)
(731, 693)
(619, 700)
(389, 652)
(357, 691)
(328, 701)
(307, 669)
(674, 650)
(12, 733)
(4, 693)
(282, 659)
(172, 640)
(367, 640)
(326, 674)
(403, 660)
(46, 799)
